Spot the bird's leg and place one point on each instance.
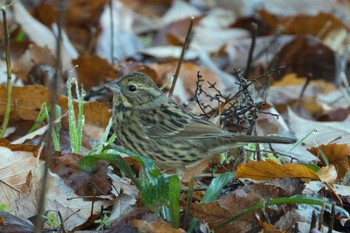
(180, 172)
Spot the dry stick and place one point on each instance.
(332, 218)
(251, 51)
(313, 221)
(308, 79)
(9, 80)
(49, 142)
(321, 216)
(112, 30)
(184, 47)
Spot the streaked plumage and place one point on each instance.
(149, 123)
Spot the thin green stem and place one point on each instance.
(188, 203)
(9, 79)
(298, 199)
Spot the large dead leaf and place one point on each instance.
(269, 169)
(59, 198)
(241, 199)
(34, 55)
(307, 7)
(151, 8)
(306, 56)
(289, 91)
(337, 155)
(43, 36)
(338, 114)
(93, 71)
(326, 131)
(316, 25)
(83, 184)
(174, 33)
(79, 19)
(27, 101)
(124, 39)
(154, 227)
(11, 223)
(179, 10)
(16, 162)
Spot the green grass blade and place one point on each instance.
(41, 118)
(71, 117)
(298, 199)
(213, 191)
(57, 128)
(174, 197)
(188, 204)
(81, 118)
(215, 187)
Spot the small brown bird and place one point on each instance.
(149, 123)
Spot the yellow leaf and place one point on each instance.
(337, 155)
(269, 169)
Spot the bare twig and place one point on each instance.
(331, 219)
(198, 92)
(9, 79)
(112, 30)
(184, 48)
(306, 84)
(320, 222)
(251, 51)
(313, 221)
(241, 108)
(53, 100)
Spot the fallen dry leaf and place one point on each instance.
(306, 56)
(16, 162)
(126, 43)
(337, 155)
(179, 10)
(338, 114)
(59, 198)
(27, 101)
(43, 36)
(268, 228)
(269, 169)
(316, 25)
(89, 223)
(154, 227)
(83, 184)
(327, 174)
(93, 71)
(241, 199)
(11, 223)
(307, 7)
(326, 131)
(151, 8)
(34, 55)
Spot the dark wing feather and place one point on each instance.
(180, 124)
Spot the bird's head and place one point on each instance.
(134, 90)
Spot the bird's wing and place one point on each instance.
(182, 125)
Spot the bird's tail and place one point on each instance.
(264, 139)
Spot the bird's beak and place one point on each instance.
(113, 86)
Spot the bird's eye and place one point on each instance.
(132, 88)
